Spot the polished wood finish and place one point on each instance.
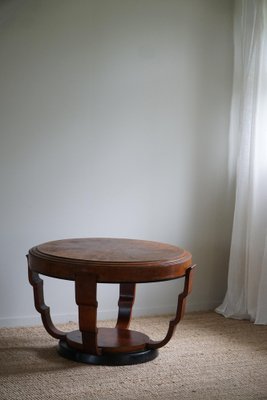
(126, 301)
(179, 312)
(129, 260)
(123, 261)
(112, 340)
(85, 289)
(41, 307)
(125, 358)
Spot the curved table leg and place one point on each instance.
(126, 301)
(41, 307)
(179, 312)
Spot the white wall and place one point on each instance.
(114, 122)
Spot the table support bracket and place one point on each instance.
(41, 307)
(179, 311)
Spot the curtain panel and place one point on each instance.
(246, 296)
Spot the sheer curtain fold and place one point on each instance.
(246, 295)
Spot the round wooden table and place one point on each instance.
(102, 260)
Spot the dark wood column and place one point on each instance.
(126, 301)
(86, 291)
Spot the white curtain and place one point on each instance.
(246, 296)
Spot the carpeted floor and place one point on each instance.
(208, 358)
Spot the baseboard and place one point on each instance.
(106, 314)
(12, 322)
(64, 318)
(203, 306)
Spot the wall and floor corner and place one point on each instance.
(114, 122)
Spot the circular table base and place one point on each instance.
(137, 357)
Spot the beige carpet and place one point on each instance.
(209, 358)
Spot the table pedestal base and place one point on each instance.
(111, 340)
(107, 358)
(115, 346)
